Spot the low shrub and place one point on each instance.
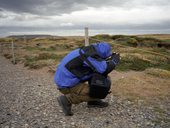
(41, 60)
(132, 42)
(102, 37)
(7, 55)
(129, 62)
(35, 64)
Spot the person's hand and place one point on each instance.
(116, 58)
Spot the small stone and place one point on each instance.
(26, 125)
(138, 124)
(148, 123)
(72, 123)
(107, 122)
(129, 102)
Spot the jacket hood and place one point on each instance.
(103, 49)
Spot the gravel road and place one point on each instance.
(28, 100)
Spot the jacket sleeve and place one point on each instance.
(102, 66)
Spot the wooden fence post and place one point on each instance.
(86, 36)
(13, 54)
(25, 40)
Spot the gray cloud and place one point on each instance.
(52, 7)
(57, 7)
(150, 26)
(46, 15)
(2, 14)
(21, 6)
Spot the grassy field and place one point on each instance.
(39, 52)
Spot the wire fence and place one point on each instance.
(7, 47)
(10, 48)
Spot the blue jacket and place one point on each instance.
(64, 78)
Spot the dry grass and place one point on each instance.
(36, 53)
(158, 36)
(141, 86)
(158, 72)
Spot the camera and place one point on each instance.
(115, 55)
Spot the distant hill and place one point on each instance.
(34, 36)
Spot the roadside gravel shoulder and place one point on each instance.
(28, 100)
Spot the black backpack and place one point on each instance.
(99, 84)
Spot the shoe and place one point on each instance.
(65, 105)
(97, 103)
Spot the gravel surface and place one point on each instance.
(28, 100)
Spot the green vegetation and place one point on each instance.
(167, 40)
(163, 51)
(138, 59)
(133, 63)
(134, 40)
(138, 62)
(44, 52)
(50, 48)
(102, 37)
(42, 60)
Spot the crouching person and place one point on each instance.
(90, 64)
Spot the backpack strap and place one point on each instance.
(89, 50)
(84, 58)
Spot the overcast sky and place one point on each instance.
(69, 17)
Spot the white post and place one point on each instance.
(86, 36)
(25, 39)
(13, 54)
